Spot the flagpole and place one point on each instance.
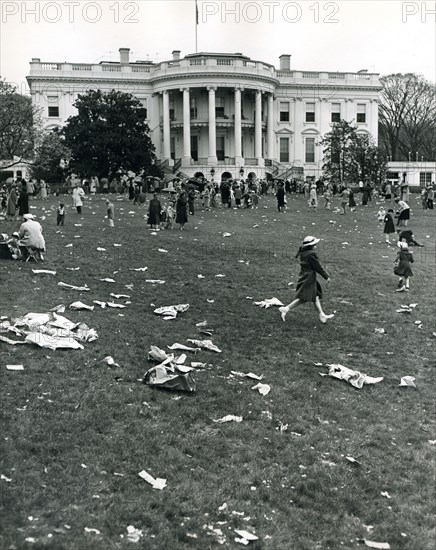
(196, 26)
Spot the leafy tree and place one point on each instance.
(51, 158)
(20, 124)
(407, 117)
(350, 157)
(109, 135)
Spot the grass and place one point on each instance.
(295, 492)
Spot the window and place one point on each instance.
(424, 178)
(194, 147)
(310, 149)
(393, 176)
(310, 112)
(336, 112)
(172, 110)
(284, 111)
(194, 103)
(219, 107)
(220, 147)
(284, 149)
(53, 111)
(144, 106)
(361, 112)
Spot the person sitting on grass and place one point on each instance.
(308, 289)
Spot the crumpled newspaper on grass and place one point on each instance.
(170, 312)
(353, 377)
(228, 418)
(205, 344)
(263, 389)
(49, 330)
(170, 373)
(269, 302)
(81, 305)
(407, 381)
(246, 536)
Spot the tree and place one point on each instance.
(350, 157)
(51, 158)
(20, 124)
(407, 117)
(109, 135)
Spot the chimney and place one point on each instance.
(176, 55)
(36, 60)
(124, 55)
(285, 62)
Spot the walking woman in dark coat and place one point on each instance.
(154, 209)
(23, 201)
(308, 288)
(280, 198)
(181, 210)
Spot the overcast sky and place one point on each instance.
(381, 36)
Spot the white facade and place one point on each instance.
(416, 174)
(220, 111)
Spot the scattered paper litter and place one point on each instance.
(354, 377)
(385, 494)
(140, 268)
(379, 545)
(4, 478)
(170, 312)
(15, 367)
(107, 280)
(228, 418)
(51, 342)
(156, 483)
(269, 302)
(100, 249)
(117, 245)
(72, 268)
(115, 305)
(48, 271)
(162, 250)
(380, 330)
(118, 296)
(101, 304)
(205, 344)
(227, 234)
(246, 537)
(247, 375)
(92, 530)
(109, 361)
(407, 381)
(263, 389)
(133, 534)
(59, 309)
(181, 347)
(65, 285)
(81, 305)
(352, 460)
(155, 281)
(200, 276)
(219, 275)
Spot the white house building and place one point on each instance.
(221, 112)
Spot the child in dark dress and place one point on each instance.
(308, 288)
(389, 226)
(402, 266)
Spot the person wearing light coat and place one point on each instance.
(78, 195)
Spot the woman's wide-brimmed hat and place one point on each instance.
(28, 216)
(310, 241)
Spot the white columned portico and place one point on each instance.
(166, 126)
(270, 128)
(186, 160)
(239, 161)
(212, 158)
(258, 129)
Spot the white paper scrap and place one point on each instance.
(379, 545)
(229, 418)
(82, 288)
(263, 389)
(407, 381)
(92, 530)
(156, 483)
(48, 271)
(107, 280)
(81, 305)
(15, 367)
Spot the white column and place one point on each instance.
(186, 160)
(239, 161)
(212, 126)
(166, 126)
(270, 127)
(373, 126)
(258, 129)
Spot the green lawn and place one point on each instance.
(70, 423)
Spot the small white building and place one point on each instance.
(221, 111)
(415, 174)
